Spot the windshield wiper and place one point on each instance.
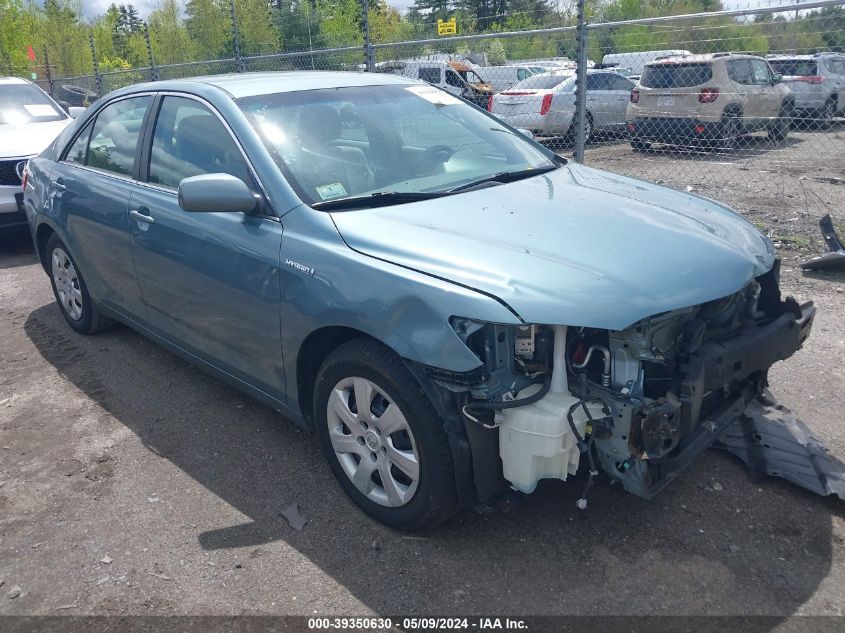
(503, 177)
(378, 199)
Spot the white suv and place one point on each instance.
(29, 121)
(712, 99)
(818, 82)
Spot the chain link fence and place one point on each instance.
(745, 106)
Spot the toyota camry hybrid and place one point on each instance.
(454, 309)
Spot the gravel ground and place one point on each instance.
(132, 483)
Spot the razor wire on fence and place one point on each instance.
(746, 106)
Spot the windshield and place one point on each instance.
(675, 75)
(793, 67)
(25, 103)
(414, 139)
(540, 82)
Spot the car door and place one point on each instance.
(210, 281)
(90, 191)
(767, 94)
(600, 99)
(621, 89)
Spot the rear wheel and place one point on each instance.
(730, 132)
(382, 437)
(826, 114)
(71, 292)
(588, 130)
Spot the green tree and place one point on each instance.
(169, 35)
(209, 27)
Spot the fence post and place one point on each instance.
(580, 84)
(236, 38)
(47, 71)
(98, 79)
(369, 62)
(153, 67)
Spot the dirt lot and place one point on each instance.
(132, 483)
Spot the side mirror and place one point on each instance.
(776, 79)
(75, 111)
(527, 133)
(215, 193)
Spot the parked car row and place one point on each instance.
(711, 100)
(545, 104)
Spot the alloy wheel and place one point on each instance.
(373, 442)
(67, 283)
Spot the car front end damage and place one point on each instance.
(638, 404)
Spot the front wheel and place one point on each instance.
(382, 437)
(780, 127)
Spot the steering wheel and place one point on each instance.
(431, 158)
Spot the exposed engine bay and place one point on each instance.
(639, 404)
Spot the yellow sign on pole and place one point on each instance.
(449, 27)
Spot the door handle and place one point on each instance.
(141, 217)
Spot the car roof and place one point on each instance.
(13, 80)
(702, 58)
(252, 84)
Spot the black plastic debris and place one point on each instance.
(772, 441)
(834, 259)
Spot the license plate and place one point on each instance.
(665, 101)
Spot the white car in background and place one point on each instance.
(545, 103)
(29, 121)
(503, 77)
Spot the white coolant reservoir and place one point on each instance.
(536, 441)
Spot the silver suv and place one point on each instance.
(818, 82)
(712, 99)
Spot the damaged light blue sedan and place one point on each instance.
(454, 309)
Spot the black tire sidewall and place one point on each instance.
(435, 496)
(83, 325)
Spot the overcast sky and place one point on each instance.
(92, 8)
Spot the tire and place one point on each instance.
(640, 146)
(416, 497)
(780, 129)
(730, 133)
(71, 292)
(588, 130)
(826, 113)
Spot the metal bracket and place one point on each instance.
(771, 440)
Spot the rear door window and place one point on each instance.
(114, 137)
(598, 81)
(739, 70)
(682, 75)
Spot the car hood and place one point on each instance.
(28, 139)
(576, 246)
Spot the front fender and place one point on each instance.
(326, 283)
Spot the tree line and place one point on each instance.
(202, 30)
